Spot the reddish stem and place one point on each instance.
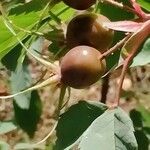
(138, 9)
(133, 44)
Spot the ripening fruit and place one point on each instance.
(81, 67)
(79, 4)
(87, 29)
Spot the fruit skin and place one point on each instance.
(87, 29)
(81, 67)
(79, 4)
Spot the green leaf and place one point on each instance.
(11, 59)
(26, 8)
(143, 57)
(114, 13)
(99, 134)
(7, 40)
(54, 47)
(6, 127)
(27, 119)
(37, 46)
(21, 79)
(147, 130)
(55, 35)
(24, 20)
(142, 140)
(124, 131)
(136, 118)
(4, 146)
(25, 16)
(75, 121)
(113, 127)
(145, 115)
(145, 4)
(142, 132)
(49, 146)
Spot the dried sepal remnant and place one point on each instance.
(52, 80)
(81, 67)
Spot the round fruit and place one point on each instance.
(81, 67)
(79, 4)
(88, 29)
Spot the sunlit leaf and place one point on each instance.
(25, 16)
(145, 4)
(113, 127)
(145, 115)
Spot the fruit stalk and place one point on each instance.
(115, 47)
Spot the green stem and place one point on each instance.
(55, 18)
(28, 31)
(42, 14)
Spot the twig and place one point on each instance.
(52, 80)
(42, 14)
(68, 98)
(105, 87)
(61, 98)
(28, 31)
(116, 47)
(49, 134)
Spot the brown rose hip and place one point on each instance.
(79, 4)
(87, 29)
(81, 67)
